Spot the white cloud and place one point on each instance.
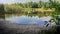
(7, 1)
(16, 1)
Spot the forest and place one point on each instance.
(51, 4)
(55, 5)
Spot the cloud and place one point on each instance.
(16, 1)
(7, 1)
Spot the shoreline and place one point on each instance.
(14, 27)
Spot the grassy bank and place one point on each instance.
(7, 27)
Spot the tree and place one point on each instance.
(55, 4)
(40, 4)
(46, 5)
(21, 5)
(35, 5)
(1, 7)
(2, 12)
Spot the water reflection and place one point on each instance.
(29, 20)
(2, 16)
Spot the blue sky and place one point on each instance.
(19, 1)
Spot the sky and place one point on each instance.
(19, 1)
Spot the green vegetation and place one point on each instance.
(21, 7)
(1, 9)
(32, 9)
(51, 8)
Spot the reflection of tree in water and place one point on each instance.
(2, 16)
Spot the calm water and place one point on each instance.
(29, 20)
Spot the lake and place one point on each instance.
(28, 19)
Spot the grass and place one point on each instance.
(7, 27)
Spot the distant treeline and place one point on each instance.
(16, 7)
